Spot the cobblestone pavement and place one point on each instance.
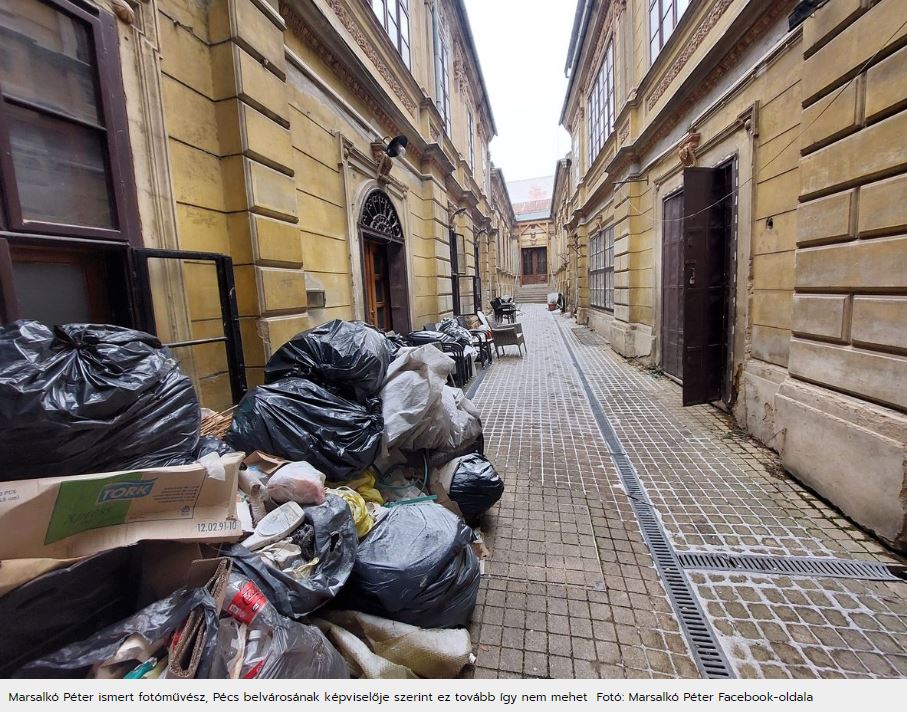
(571, 589)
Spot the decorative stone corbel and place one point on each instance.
(383, 162)
(687, 150)
(123, 11)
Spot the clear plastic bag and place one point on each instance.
(297, 482)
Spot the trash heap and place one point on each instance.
(324, 528)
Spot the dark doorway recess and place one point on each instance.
(384, 265)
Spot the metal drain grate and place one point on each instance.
(587, 337)
(793, 566)
(703, 643)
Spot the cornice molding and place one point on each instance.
(692, 44)
(365, 44)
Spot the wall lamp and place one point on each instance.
(397, 145)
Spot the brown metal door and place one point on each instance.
(705, 287)
(672, 286)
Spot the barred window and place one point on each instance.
(663, 18)
(601, 105)
(601, 269)
(394, 16)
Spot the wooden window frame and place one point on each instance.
(601, 269)
(601, 109)
(109, 87)
(442, 68)
(389, 12)
(662, 25)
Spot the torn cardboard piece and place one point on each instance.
(68, 517)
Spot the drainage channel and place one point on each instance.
(703, 643)
(812, 566)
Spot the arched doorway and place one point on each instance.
(384, 265)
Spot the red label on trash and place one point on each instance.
(247, 603)
(253, 673)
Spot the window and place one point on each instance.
(601, 104)
(601, 269)
(394, 16)
(663, 18)
(442, 68)
(471, 140)
(59, 167)
(486, 169)
(575, 158)
(65, 211)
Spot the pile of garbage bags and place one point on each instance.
(348, 547)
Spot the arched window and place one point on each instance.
(379, 217)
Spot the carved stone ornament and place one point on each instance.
(687, 150)
(383, 162)
(123, 11)
(349, 22)
(718, 9)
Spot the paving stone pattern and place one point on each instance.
(571, 589)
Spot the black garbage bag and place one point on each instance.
(299, 420)
(67, 605)
(451, 328)
(420, 338)
(416, 566)
(208, 444)
(156, 622)
(348, 357)
(475, 487)
(335, 546)
(87, 398)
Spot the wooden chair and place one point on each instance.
(505, 335)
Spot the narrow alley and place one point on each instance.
(571, 588)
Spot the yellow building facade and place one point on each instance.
(259, 130)
(733, 213)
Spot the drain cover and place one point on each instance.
(793, 566)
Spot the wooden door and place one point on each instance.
(672, 286)
(706, 279)
(535, 265)
(377, 286)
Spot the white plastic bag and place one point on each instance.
(297, 482)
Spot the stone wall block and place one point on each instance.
(826, 219)
(883, 207)
(864, 264)
(876, 376)
(820, 315)
(880, 321)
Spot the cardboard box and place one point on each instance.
(67, 517)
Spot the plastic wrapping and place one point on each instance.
(474, 485)
(335, 546)
(154, 625)
(299, 420)
(420, 338)
(257, 642)
(416, 566)
(208, 444)
(85, 398)
(421, 412)
(298, 482)
(450, 327)
(378, 648)
(350, 358)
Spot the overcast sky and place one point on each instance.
(522, 47)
